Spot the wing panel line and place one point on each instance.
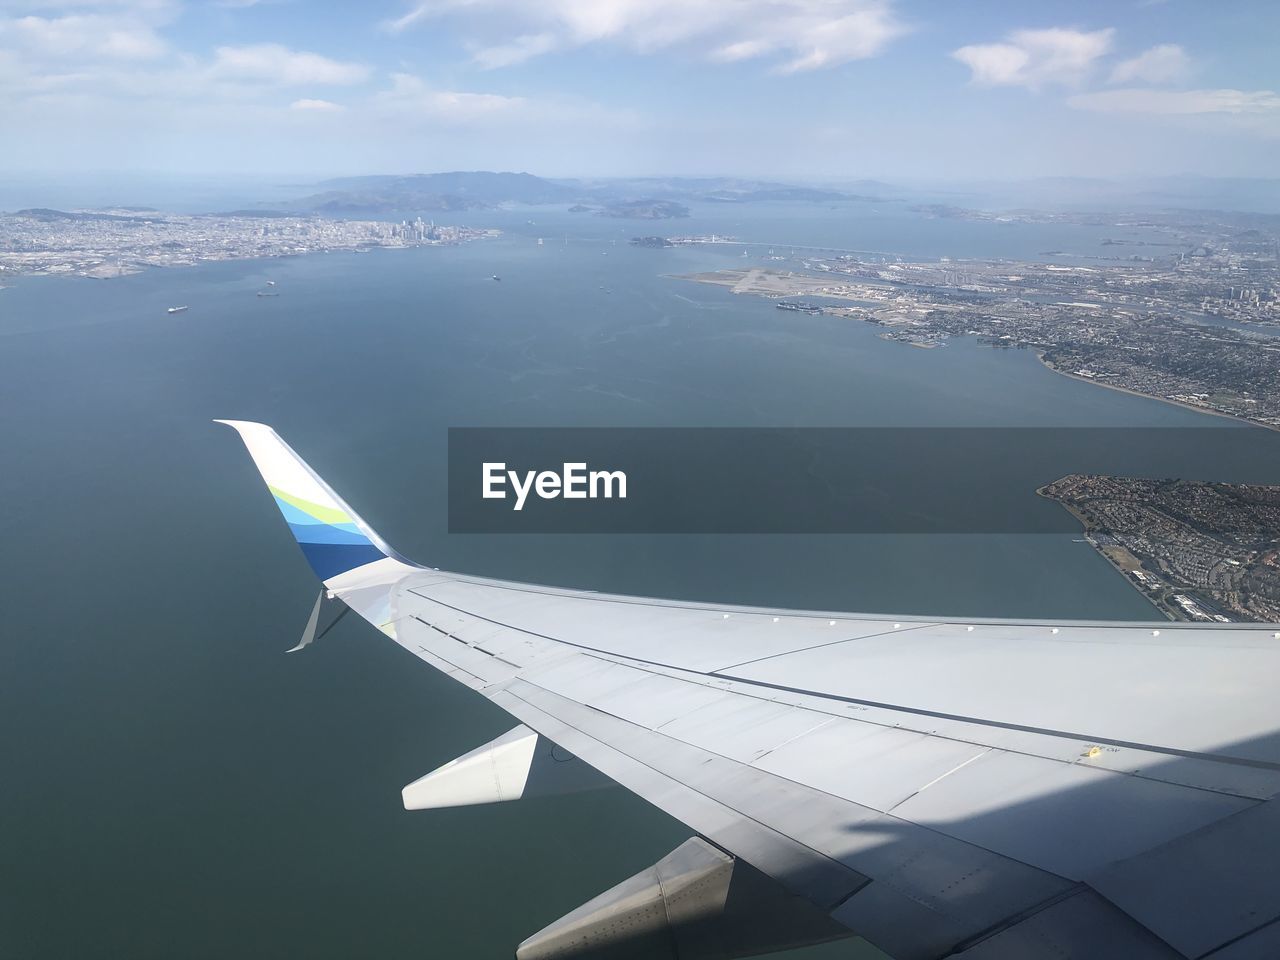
(829, 643)
(915, 711)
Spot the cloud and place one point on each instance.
(1167, 63)
(411, 103)
(79, 36)
(517, 51)
(402, 23)
(276, 64)
(1036, 58)
(798, 34)
(144, 8)
(316, 106)
(741, 50)
(410, 96)
(1177, 102)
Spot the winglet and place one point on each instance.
(332, 537)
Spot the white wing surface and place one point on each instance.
(960, 788)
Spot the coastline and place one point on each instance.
(833, 311)
(1151, 396)
(102, 271)
(1087, 531)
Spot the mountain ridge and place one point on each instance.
(464, 190)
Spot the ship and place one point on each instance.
(799, 306)
(178, 309)
(267, 293)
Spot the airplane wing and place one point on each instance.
(986, 790)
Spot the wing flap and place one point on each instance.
(964, 888)
(805, 872)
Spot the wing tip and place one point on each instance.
(333, 537)
(243, 426)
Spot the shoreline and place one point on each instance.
(1151, 396)
(732, 287)
(1087, 531)
(136, 267)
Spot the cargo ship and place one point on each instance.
(799, 306)
(178, 309)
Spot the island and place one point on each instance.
(682, 241)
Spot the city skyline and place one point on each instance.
(795, 89)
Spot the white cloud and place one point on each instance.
(83, 36)
(1036, 58)
(402, 23)
(410, 96)
(411, 103)
(741, 50)
(800, 34)
(142, 8)
(276, 64)
(1167, 63)
(517, 51)
(1177, 102)
(316, 106)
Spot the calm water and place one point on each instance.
(174, 786)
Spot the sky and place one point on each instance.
(804, 90)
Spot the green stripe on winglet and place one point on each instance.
(324, 514)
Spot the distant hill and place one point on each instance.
(48, 215)
(794, 194)
(432, 191)
(1255, 195)
(872, 188)
(257, 214)
(645, 210)
(466, 190)
(720, 189)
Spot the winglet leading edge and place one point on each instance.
(332, 536)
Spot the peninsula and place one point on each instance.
(113, 243)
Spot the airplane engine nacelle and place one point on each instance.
(696, 903)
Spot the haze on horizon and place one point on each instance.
(803, 90)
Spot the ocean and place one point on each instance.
(175, 786)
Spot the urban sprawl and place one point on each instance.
(1198, 551)
(1194, 323)
(114, 243)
